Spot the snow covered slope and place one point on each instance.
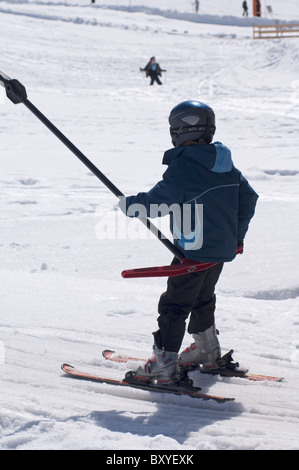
(62, 297)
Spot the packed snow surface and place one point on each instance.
(64, 243)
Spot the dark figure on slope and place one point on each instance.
(153, 70)
(196, 4)
(245, 8)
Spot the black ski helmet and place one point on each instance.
(191, 120)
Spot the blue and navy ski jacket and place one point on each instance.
(203, 176)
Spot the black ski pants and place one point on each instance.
(190, 293)
(155, 78)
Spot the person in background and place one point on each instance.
(196, 4)
(153, 70)
(245, 8)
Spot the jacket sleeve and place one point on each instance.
(147, 68)
(156, 202)
(247, 202)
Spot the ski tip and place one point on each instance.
(107, 353)
(65, 367)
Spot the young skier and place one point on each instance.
(200, 174)
(153, 70)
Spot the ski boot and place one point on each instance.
(205, 354)
(205, 351)
(161, 368)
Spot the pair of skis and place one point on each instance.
(226, 369)
(182, 388)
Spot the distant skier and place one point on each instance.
(245, 8)
(153, 70)
(196, 4)
(200, 174)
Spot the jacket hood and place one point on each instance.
(215, 157)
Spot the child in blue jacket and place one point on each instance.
(211, 204)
